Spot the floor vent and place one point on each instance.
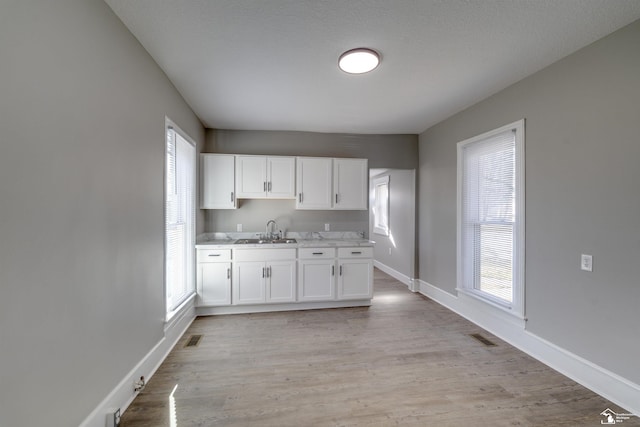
(483, 340)
(194, 340)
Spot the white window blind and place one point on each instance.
(179, 220)
(490, 232)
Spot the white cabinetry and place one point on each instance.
(213, 277)
(217, 181)
(325, 184)
(260, 177)
(350, 183)
(316, 274)
(313, 183)
(264, 276)
(355, 273)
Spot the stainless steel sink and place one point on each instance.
(263, 241)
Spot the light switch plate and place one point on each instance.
(239, 227)
(327, 227)
(586, 262)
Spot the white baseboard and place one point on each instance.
(607, 384)
(410, 282)
(122, 396)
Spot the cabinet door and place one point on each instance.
(316, 280)
(248, 282)
(355, 279)
(350, 183)
(214, 283)
(251, 177)
(217, 181)
(281, 177)
(313, 183)
(281, 281)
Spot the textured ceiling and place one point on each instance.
(272, 64)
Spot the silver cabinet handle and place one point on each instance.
(228, 273)
(264, 186)
(214, 254)
(341, 270)
(333, 270)
(300, 197)
(268, 271)
(336, 198)
(318, 253)
(263, 274)
(269, 186)
(356, 253)
(232, 196)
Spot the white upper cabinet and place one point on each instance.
(314, 183)
(261, 177)
(324, 183)
(350, 184)
(217, 181)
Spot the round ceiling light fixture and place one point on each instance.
(359, 61)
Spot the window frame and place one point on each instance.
(377, 229)
(517, 305)
(190, 269)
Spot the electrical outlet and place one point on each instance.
(327, 227)
(586, 262)
(239, 227)
(113, 418)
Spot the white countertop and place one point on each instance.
(303, 240)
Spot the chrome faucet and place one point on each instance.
(271, 234)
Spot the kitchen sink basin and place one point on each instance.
(263, 241)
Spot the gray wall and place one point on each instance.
(398, 250)
(397, 151)
(82, 115)
(582, 175)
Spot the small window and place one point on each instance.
(491, 217)
(381, 205)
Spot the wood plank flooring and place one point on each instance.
(403, 361)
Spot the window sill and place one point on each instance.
(513, 315)
(174, 316)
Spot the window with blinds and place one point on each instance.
(491, 216)
(179, 219)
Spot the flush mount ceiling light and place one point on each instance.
(359, 61)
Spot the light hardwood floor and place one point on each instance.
(403, 361)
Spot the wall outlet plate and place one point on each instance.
(586, 262)
(239, 227)
(327, 227)
(113, 418)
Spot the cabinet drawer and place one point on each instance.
(214, 255)
(313, 253)
(264, 254)
(362, 252)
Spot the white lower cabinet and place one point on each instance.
(255, 276)
(355, 273)
(316, 274)
(264, 276)
(213, 277)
